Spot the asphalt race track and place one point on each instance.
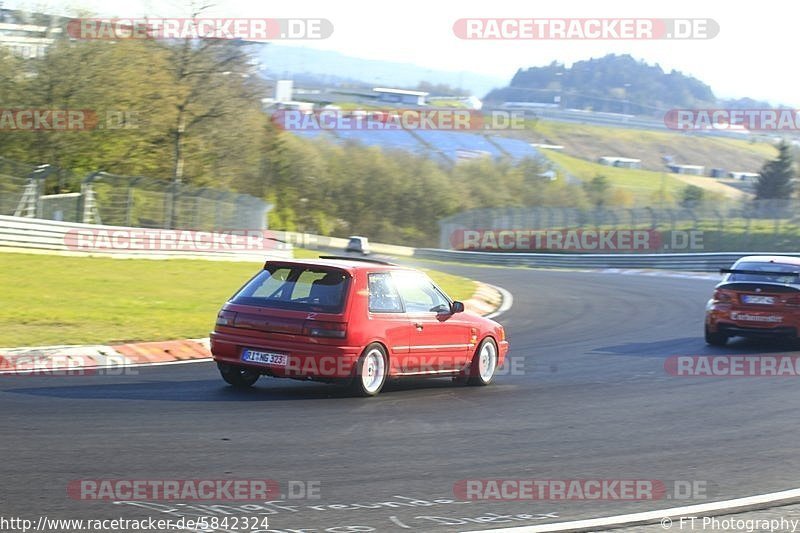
(589, 399)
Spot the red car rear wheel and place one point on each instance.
(716, 338)
(238, 376)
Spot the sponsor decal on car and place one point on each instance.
(750, 317)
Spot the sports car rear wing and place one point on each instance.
(758, 272)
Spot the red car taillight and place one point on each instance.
(721, 295)
(318, 328)
(226, 318)
(793, 301)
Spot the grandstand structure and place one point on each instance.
(443, 146)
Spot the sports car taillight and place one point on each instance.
(721, 295)
(226, 318)
(793, 301)
(318, 328)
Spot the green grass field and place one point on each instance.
(584, 144)
(644, 185)
(52, 299)
(591, 142)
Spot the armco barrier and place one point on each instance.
(32, 234)
(39, 235)
(698, 262)
(306, 240)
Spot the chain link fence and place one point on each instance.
(50, 193)
(748, 225)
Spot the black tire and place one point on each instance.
(238, 376)
(716, 338)
(371, 371)
(478, 375)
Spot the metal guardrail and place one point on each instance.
(307, 240)
(23, 234)
(39, 235)
(698, 262)
(34, 234)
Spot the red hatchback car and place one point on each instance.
(351, 320)
(758, 297)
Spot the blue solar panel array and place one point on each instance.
(395, 139)
(516, 148)
(312, 134)
(441, 145)
(454, 144)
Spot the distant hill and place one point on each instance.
(335, 68)
(745, 103)
(613, 83)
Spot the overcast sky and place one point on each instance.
(753, 55)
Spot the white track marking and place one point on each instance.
(737, 505)
(508, 301)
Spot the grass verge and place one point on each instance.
(51, 299)
(590, 142)
(646, 186)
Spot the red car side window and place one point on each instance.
(383, 296)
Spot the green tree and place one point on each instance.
(775, 181)
(215, 97)
(598, 190)
(12, 87)
(125, 91)
(691, 196)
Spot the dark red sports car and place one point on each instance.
(759, 296)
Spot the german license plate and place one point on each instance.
(758, 299)
(267, 358)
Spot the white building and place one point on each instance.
(744, 176)
(621, 162)
(400, 96)
(696, 170)
(28, 35)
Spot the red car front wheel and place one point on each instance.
(484, 363)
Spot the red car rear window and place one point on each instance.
(295, 287)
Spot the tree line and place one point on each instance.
(191, 112)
